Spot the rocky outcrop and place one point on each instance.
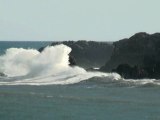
(136, 57)
(88, 54)
(72, 60)
(2, 75)
(129, 72)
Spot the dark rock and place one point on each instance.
(3, 75)
(129, 72)
(72, 60)
(88, 53)
(41, 49)
(136, 57)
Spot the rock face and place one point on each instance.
(88, 54)
(3, 75)
(129, 72)
(136, 57)
(72, 61)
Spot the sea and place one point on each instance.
(42, 86)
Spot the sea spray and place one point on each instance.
(51, 66)
(16, 61)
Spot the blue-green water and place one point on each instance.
(94, 99)
(78, 102)
(22, 44)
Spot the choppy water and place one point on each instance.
(99, 97)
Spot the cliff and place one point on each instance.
(140, 52)
(88, 53)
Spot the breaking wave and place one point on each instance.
(30, 67)
(51, 67)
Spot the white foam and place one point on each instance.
(138, 82)
(30, 67)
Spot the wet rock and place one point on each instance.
(3, 75)
(87, 54)
(136, 57)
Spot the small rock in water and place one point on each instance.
(2, 75)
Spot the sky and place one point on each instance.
(100, 20)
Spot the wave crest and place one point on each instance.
(30, 67)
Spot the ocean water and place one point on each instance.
(22, 44)
(41, 86)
